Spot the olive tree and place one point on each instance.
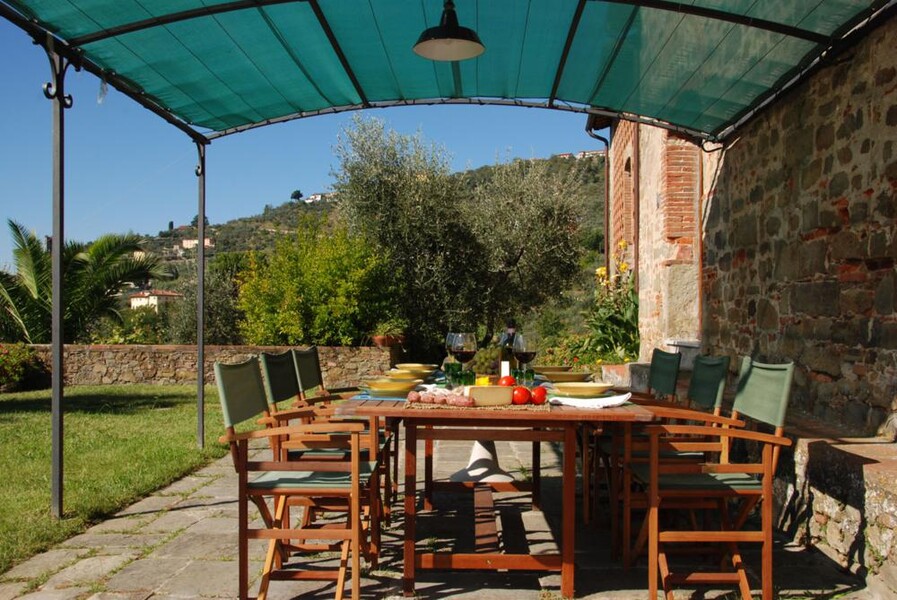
(527, 217)
(398, 191)
(463, 260)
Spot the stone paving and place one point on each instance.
(181, 543)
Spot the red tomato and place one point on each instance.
(539, 395)
(507, 380)
(521, 395)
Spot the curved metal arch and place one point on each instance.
(566, 107)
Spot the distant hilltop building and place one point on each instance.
(582, 154)
(319, 197)
(153, 298)
(191, 243)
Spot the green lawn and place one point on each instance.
(121, 443)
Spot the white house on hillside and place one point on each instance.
(153, 298)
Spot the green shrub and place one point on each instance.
(325, 286)
(16, 361)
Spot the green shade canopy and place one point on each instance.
(214, 67)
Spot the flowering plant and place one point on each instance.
(613, 318)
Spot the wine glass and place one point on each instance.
(449, 342)
(449, 366)
(525, 348)
(464, 347)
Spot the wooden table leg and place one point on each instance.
(537, 475)
(410, 507)
(568, 511)
(428, 473)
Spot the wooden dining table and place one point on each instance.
(555, 423)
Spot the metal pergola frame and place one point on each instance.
(65, 54)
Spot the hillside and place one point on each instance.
(258, 232)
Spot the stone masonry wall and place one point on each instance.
(800, 245)
(120, 364)
(801, 239)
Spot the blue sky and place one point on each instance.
(128, 170)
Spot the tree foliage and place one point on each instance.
(93, 276)
(464, 259)
(398, 192)
(527, 220)
(323, 286)
(221, 312)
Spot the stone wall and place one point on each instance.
(801, 239)
(119, 364)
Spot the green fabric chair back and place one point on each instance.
(241, 391)
(281, 381)
(763, 391)
(708, 381)
(664, 372)
(308, 369)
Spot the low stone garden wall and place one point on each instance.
(121, 364)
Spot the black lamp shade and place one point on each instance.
(448, 41)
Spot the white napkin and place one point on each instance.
(604, 402)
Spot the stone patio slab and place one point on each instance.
(146, 574)
(47, 562)
(89, 570)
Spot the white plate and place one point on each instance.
(608, 402)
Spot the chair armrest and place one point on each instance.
(700, 430)
(692, 414)
(342, 427)
(293, 413)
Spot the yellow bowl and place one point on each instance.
(417, 369)
(553, 368)
(402, 374)
(565, 376)
(582, 389)
(398, 386)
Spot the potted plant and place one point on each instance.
(389, 332)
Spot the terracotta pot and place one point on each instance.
(387, 341)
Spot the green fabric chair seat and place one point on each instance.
(292, 480)
(712, 482)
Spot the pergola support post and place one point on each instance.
(55, 90)
(200, 297)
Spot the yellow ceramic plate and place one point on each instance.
(555, 368)
(386, 393)
(417, 366)
(564, 376)
(582, 389)
(402, 374)
(395, 386)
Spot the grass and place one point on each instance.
(121, 443)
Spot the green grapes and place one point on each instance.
(486, 360)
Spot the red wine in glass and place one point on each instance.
(464, 356)
(524, 357)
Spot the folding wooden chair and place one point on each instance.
(337, 481)
(734, 489)
(603, 449)
(313, 391)
(281, 378)
(705, 395)
(311, 378)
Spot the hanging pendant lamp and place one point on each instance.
(448, 41)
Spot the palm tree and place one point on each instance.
(93, 276)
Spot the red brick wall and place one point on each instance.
(680, 189)
(622, 200)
